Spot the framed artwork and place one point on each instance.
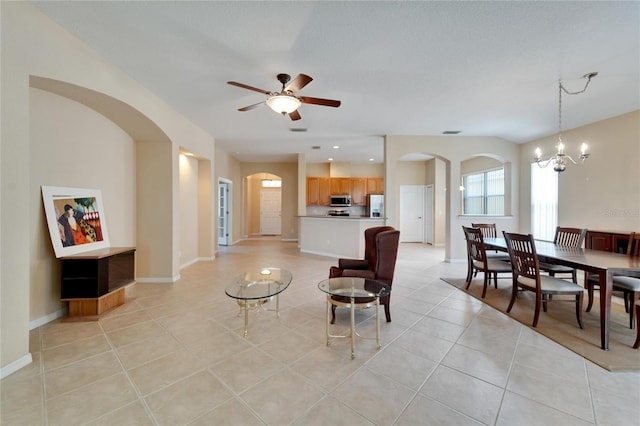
(75, 218)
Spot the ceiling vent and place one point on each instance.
(297, 129)
(315, 147)
(451, 132)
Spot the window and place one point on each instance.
(484, 193)
(544, 202)
(271, 183)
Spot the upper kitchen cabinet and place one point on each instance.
(318, 191)
(358, 191)
(375, 185)
(340, 186)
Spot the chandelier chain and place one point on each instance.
(561, 89)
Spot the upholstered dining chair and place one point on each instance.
(628, 285)
(381, 251)
(526, 276)
(567, 237)
(479, 261)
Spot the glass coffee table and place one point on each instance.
(254, 288)
(355, 293)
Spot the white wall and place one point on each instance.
(603, 193)
(74, 146)
(36, 52)
(450, 151)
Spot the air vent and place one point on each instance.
(315, 147)
(297, 129)
(451, 132)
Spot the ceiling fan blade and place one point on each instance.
(298, 83)
(295, 115)
(244, 86)
(247, 108)
(319, 101)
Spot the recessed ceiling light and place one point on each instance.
(451, 132)
(329, 159)
(336, 147)
(372, 159)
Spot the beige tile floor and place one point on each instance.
(174, 354)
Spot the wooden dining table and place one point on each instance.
(604, 264)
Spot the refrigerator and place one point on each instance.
(375, 205)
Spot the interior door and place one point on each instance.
(224, 205)
(412, 213)
(270, 211)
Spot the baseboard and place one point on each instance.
(15, 365)
(48, 318)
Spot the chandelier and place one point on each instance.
(560, 159)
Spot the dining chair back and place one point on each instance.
(489, 230)
(567, 237)
(526, 276)
(628, 285)
(480, 262)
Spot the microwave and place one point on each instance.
(340, 200)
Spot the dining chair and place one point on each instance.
(489, 230)
(479, 261)
(527, 277)
(628, 285)
(566, 237)
(381, 251)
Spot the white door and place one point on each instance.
(270, 212)
(224, 207)
(412, 213)
(429, 220)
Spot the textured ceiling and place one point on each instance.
(411, 68)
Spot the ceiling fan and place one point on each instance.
(286, 101)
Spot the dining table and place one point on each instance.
(604, 264)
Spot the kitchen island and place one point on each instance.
(336, 236)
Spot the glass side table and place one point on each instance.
(353, 292)
(256, 287)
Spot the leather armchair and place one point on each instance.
(381, 250)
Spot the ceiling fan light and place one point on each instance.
(283, 104)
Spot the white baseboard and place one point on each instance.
(48, 318)
(15, 365)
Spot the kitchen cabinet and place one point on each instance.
(375, 185)
(320, 188)
(358, 191)
(318, 191)
(340, 186)
(613, 241)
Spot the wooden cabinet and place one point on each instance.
(375, 185)
(94, 281)
(358, 191)
(613, 241)
(340, 186)
(318, 191)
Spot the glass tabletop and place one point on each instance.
(354, 287)
(259, 284)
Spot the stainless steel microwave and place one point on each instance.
(340, 200)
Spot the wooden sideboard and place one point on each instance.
(93, 282)
(613, 241)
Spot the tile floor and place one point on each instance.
(174, 354)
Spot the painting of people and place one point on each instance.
(75, 218)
